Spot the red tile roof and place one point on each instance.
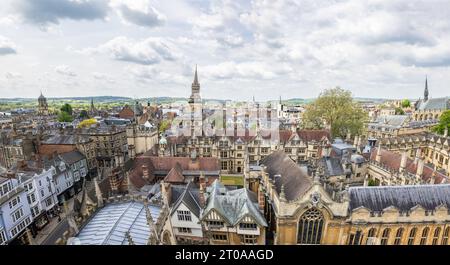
(392, 160)
(314, 135)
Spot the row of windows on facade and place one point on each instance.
(186, 216)
(357, 238)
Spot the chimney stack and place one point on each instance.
(420, 165)
(418, 153)
(145, 173)
(403, 161)
(446, 132)
(202, 182)
(378, 157)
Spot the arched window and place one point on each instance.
(310, 227)
(445, 236)
(423, 239)
(437, 232)
(398, 236)
(371, 235)
(385, 236)
(412, 236)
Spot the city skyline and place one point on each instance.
(292, 49)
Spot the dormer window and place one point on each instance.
(247, 226)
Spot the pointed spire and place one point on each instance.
(196, 77)
(282, 193)
(425, 93)
(153, 237)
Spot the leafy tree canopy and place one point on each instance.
(64, 117)
(87, 123)
(406, 103)
(67, 108)
(399, 111)
(335, 108)
(444, 122)
(84, 114)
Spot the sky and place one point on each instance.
(260, 48)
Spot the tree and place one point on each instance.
(84, 114)
(164, 125)
(444, 122)
(335, 108)
(67, 108)
(64, 117)
(399, 111)
(87, 123)
(406, 103)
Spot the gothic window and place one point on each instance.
(398, 236)
(310, 227)
(355, 239)
(445, 237)
(437, 232)
(412, 236)
(423, 239)
(385, 236)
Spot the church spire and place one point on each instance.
(425, 94)
(195, 77)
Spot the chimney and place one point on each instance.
(355, 142)
(418, 153)
(202, 183)
(420, 165)
(10, 174)
(145, 173)
(403, 161)
(378, 157)
(446, 132)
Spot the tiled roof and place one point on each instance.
(175, 175)
(392, 160)
(295, 179)
(314, 135)
(402, 197)
(435, 104)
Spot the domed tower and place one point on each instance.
(42, 105)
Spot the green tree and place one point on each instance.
(444, 122)
(164, 125)
(406, 103)
(64, 117)
(399, 111)
(336, 108)
(67, 108)
(84, 114)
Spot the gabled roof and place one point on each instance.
(233, 205)
(190, 197)
(175, 175)
(314, 135)
(72, 157)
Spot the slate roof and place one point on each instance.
(295, 179)
(435, 104)
(110, 223)
(233, 205)
(72, 157)
(333, 166)
(189, 196)
(66, 139)
(402, 197)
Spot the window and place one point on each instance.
(184, 230)
(398, 236)
(17, 215)
(219, 237)
(437, 232)
(14, 202)
(215, 224)
(31, 198)
(224, 165)
(49, 189)
(35, 211)
(247, 226)
(288, 150)
(412, 236)
(184, 216)
(2, 237)
(310, 227)
(445, 236)
(385, 236)
(42, 193)
(371, 235)
(249, 239)
(423, 239)
(48, 202)
(355, 239)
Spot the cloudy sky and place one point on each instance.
(265, 48)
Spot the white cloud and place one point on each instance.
(138, 12)
(12, 75)
(7, 46)
(65, 70)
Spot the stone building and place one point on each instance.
(141, 138)
(430, 108)
(42, 105)
(300, 209)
